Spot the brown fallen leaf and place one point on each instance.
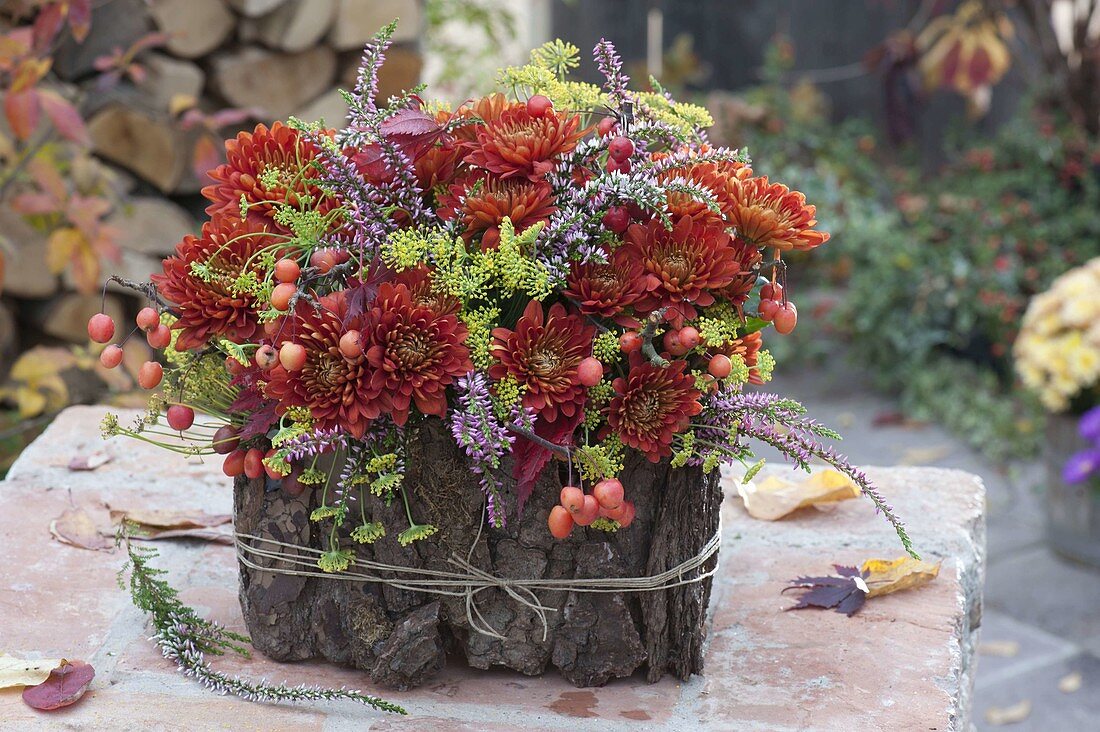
(1003, 649)
(1070, 682)
(24, 671)
(76, 528)
(925, 455)
(775, 497)
(64, 686)
(155, 524)
(1008, 715)
(89, 462)
(884, 576)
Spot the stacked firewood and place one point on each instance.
(206, 69)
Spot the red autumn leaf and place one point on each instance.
(35, 204)
(64, 117)
(844, 592)
(23, 110)
(47, 24)
(530, 457)
(80, 18)
(66, 684)
(205, 157)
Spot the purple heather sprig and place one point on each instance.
(315, 443)
(611, 66)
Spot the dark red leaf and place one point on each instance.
(361, 292)
(46, 25)
(65, 685)
(530, 458)
(845, 592)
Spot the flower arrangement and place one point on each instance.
(1058, 349)
(565, 269)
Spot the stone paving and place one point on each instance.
(1046, 604)
(903, 662)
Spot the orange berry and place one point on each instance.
(150, 374)
(111, 356)
(588, 513)
(101, 328)
(147, 319)
(287, 270)
(351, 345)
(159, 337)
(608, 493)
(589, 371)
(572, 498)
(292, 356)
(720, 366)
(786, 318)
(281, 295)
(560, 522)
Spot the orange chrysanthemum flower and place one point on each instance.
(414, 353)
(651, 405)
(720, 179)
(483, 111)
(772, 215)
(543, 354)
(747, 256)
(681, 266)
(484, 201)
(266, 167)
(517, 144)
(419, 282)
(606, 290)
(210, 305)
(338, 391)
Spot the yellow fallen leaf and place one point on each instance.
(1003, 649)
(886, 576)
(774, 497)
(24, 671)
(925, 455)
(1008, 715)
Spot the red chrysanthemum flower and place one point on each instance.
(419, 282)
(651, 405)
(266, 167)
(484, 201)
(481, 112)
(210, 304)
(681, 266)
(517, 144)
(414, 352)
(338, 391)
(606, 290)
(543, 354)
(772, 215)
(748, 348)
(747, 256)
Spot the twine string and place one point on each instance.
(468, 581)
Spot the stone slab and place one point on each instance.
(903, 662)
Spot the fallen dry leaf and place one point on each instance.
(1008, 715)
(925, 455)
(1002, 649)
(1070, 682)
(161, 524)
(89, 462)
(775, 497)
(24, 671)
(64, 686)
(885, 576)
(76, 528)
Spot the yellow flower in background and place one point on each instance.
(1058, 349)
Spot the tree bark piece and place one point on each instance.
(277, 83)
(297, 26)
(194, 27)
(151, 226)
(397, 635)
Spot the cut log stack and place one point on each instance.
(275, 58)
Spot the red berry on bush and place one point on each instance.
(630, 341)
(620, 148)
(572, 498)
(589, 371)
(292, 356)
(287, 270)
(628, 514)
(101, 328)
(281, 295)
(159, 337)
(266, 357)
(225, 440)
(771, 291)
(150, 374)
(271, 473)
(180, 417)
(720, 366)
(615, 514)
(689, 337)
(254, 463)
(292, 485)
(589, 512)
(623, 166)
(606, 126)
(233, 465)
(323, 259)
(234, 366)
(538, 105)
(351, 344)
(616, 219)
(111, 356)
(786, 318)
(673, 344)
(560, 522)
(608, 493)
(768, 309)
(147, 319)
